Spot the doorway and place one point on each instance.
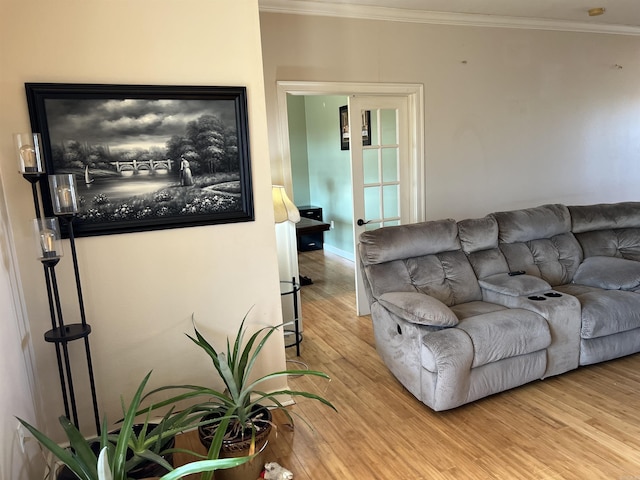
(411, 167)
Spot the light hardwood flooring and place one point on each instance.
(584, 424)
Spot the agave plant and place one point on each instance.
(241, 394)
(139, 446)
(104, 469)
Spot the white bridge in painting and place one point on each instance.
(142, 165)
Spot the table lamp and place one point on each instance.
(283, 207)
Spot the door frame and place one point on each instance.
(415, 94)
(415, 98)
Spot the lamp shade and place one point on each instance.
(48, 244)
(63, 194)
(284, 208)
(29, 149)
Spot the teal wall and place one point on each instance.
(322, 172)
(298, 149)
(328, 169)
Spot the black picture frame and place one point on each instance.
(344, 128)
(127, 146)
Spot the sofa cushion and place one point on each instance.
(553, 259)
(608, 229)
(618, 345)
(515, 286)
(545, 221)
(575, 290)
(479, 240)
(447, 276)
(478, 234)
(605, 312)
(418, 308)
(605, 216)
(539, 241)
(610, 273)
(621, 242)
(478, 307)
(488, 262)
(505, 333)
(406, 241)
(388, 277)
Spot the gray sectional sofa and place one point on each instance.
(462, 310)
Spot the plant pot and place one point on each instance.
(145, 470)
(239, 447)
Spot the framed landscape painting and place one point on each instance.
(146, 157)
(344, 128)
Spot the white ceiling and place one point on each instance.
(621, 16)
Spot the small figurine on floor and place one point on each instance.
(273, 471)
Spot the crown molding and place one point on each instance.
(317, 8)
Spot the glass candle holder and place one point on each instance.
(64, 197)
(29, 150)
(48, 240)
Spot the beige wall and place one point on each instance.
(513, 118)
(141, 288)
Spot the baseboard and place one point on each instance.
(340, 253)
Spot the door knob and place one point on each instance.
(361, 222)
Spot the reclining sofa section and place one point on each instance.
(463, 310)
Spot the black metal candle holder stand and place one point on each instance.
(33, 179)
(83, 326)
(60, 334)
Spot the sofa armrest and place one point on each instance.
(610, 273)
(514, 285)
(419, 308)
(449, 355)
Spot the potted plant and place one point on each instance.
(128, 448)
(104, 469)
(241, 401)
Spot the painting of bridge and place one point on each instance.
(147, 157)
(136, 166)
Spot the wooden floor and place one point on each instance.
(581, 425)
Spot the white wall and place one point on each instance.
(141, 288)
(16, 394)
(513, 118)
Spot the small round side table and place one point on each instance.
(291, 287)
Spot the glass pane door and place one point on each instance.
(381, 169)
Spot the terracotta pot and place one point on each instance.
(240, 448)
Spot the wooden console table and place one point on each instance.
(307, 226)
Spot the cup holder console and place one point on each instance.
(538, 298)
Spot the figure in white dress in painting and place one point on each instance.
(186, 180)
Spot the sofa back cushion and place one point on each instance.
(610, 230)
(423, 257)
(406, 241)
(479, 240)
(447, 276)
(539, 241)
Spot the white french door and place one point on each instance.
(380, 168)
